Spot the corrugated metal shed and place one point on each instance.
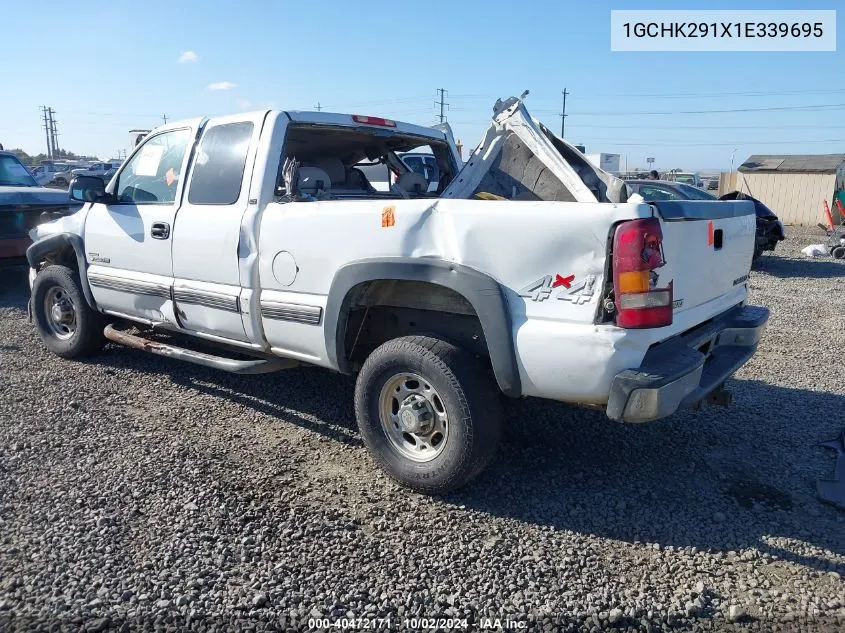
(793, 164)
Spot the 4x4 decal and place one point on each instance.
(564, 288)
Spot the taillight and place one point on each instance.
(373, 120)
(637, 252)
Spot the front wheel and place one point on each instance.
(68, 327)
(428, 412)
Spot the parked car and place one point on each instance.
(62, 176)
(684, 177)
(652, 190)
(769, 228)
(94, 169)
(502, 282)
(713, 185)
(23, 204)
(44, 173)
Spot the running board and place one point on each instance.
(258, 366)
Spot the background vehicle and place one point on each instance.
(439, 301)
(652, 190)
(45, 172)
(94, 169)
(769, 227)
(381, 177)
(23, 204)
(62, 175)
(684, 177)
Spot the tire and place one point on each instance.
(838, 252)
(758, 255)
(460, 398)
(72, 329)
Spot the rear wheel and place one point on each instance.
(66, 324)
(429, 413)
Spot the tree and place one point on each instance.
(61, 154)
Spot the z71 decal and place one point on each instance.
(564, 289)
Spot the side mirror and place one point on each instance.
(87, 189)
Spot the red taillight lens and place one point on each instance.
(373, 120)
(637, 251)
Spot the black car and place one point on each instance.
(769, 228)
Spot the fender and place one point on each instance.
(57, 241)
(484, 294)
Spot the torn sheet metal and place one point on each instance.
(520, 159)
(833, 490)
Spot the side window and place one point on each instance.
(152, 175)
(220, 163)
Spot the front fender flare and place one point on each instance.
(52, 243)
(486, 296)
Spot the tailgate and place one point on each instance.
(708, 246)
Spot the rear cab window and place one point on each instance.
(219, 164)
(349, 162)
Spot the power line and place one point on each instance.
(694, 144)
(713, 127)
(824, 106)
(673, 95)
(442, 104)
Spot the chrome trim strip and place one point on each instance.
(133, 286)
(291, 312)
(207, 298)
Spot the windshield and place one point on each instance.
(14, 174)
(687, 179)
(694, 193)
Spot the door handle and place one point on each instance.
(160, 230)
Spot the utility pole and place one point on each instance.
(562, 114)
(54, 135)
(47, 131)
(318, 106)
(164, 118)
(442, 103)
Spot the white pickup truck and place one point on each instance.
(527, 273)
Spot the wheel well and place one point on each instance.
(63, 255)
(381, 310)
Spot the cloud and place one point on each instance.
(188, 56)
(222, 85)
(243, 104)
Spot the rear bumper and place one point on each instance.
(683, 371)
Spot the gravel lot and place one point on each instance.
(140, 493)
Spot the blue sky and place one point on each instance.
(108, 67)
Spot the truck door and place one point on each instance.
(128, 241)
(207, 234)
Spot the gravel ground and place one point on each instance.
(140, 493)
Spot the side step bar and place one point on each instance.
(258, 366)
